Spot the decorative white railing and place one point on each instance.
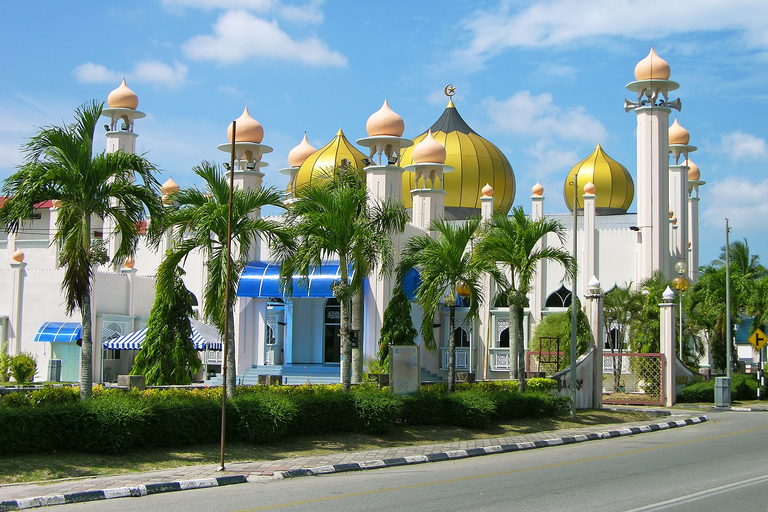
(462, 358)
(499, 359)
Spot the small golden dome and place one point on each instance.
(385, 122)
(678, 134)
(589, 188)
(129, 262)
(248, 129)
(674, 221)
(652, 67)
(18, 256)
(301, 152)
(429, 151)
(616, 186)
(169, 187)
(694, 174)
(671, 214)
(475, 160)
(123, 97)
(487, 190)
(537, 189)
(328, 159)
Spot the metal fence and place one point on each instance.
(633, 378)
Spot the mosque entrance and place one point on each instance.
(633, 379)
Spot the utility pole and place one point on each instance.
(728, 342)
(574, 297)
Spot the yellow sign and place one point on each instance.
(758, 339)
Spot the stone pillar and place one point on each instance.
(539, 289)
(484, 337)
(130, 273)
(667, 343)
(17, 302)
(594, 303)
(53, 246)
(589, 255)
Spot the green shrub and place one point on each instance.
(699, 392)
(425, 407)
(17, 399)
(260, 417)
(376, 410)
(539, 385)
(24, 367)
(55, 395)
(5, 363)
(743, 387)
(471, 409)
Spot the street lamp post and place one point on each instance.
(681, 283)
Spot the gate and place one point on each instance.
(633, 379)
(546, 362)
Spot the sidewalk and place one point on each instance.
(32, 495)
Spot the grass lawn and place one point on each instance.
(49, 466)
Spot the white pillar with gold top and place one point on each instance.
(429, 193)
(694, 182)
(17, 301)
(538, 292)
(483, 334)
(589, 254)
(678, 189)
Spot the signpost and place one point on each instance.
(758, 340)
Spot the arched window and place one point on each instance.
(559, 299)
(504, 338)
(461, 337)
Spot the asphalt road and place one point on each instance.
(718, 465)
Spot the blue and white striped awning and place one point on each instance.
(60, 332)
(134, 340)
(261, 279)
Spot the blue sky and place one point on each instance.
(545, 81)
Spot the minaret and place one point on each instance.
(121, 111)
(384, 180)
(296, 157)
(678, 190)
(694, 182)
(429, 170)
(248, 152)
(652, 108)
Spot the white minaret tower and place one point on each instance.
(384, 180)
(429, 194)
(248, 152)
(652, 107)
(588, 261)
(694, 182)
(678, 190)
(121, 111)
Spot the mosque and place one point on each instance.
(450, 171)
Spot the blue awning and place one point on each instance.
(60, 332)
(411, 283)
(134, 340)
(261, 279)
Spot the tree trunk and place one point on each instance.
(86, 350)
(451, 348)
(346, 346)
(357, 325)
(516, 346)
(231, 383)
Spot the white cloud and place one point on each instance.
(524, 113)
(308, 12)
(152, 72)
(91, 73)
(739, 200)
(239, 35)
(556, 23)
(743, 146)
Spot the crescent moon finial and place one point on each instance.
(449, 90)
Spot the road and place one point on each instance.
(721, 464)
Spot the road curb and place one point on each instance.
(488, 450)
(120, 492)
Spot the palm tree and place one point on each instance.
(59, 165)
(445, 264)
(512, 242)
(334, 217)
(198, 220)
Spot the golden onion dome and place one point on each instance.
(613, 184)
(652, 67)
(385, 122)
(694, 174)
(329, 158)
(123, 97)
(301, 152)
(678, 134)
(476, 161)
(248, 129)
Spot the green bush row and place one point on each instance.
(743, 387)
(115, 421)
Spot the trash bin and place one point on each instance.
(722, 391)
(54, 370)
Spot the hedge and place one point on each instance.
(743, 387)
(116, 421)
